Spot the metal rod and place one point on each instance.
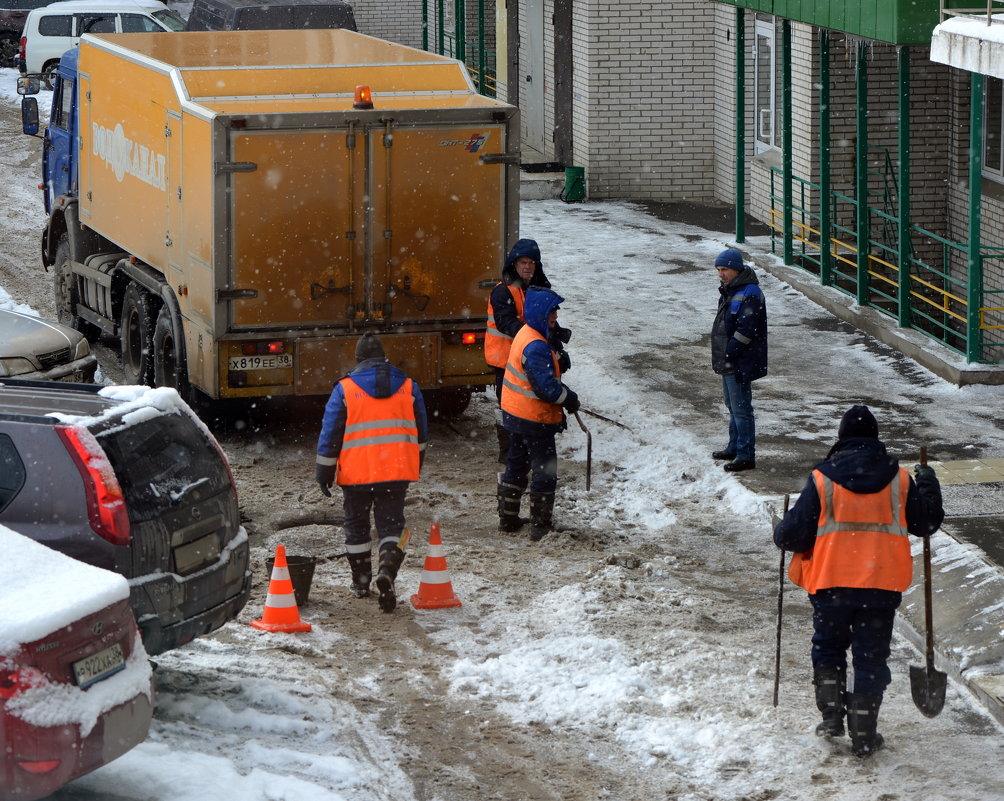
(780, 610)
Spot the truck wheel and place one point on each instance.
(9, 46)
(168, 354)
(64, 287)
(136, 335)
(448, 403)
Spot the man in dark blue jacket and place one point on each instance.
(372, 442)
(739, 354)
(532, 401)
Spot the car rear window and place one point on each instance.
(161, 461)
(11, 471)
(55, 25)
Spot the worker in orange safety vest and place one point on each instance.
(849, 532)
(522, 269)
(372, 442)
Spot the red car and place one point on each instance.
(76, 686)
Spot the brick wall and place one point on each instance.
(395, 20)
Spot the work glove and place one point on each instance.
(324, 475)
(563, 334)
(564, 362)
(923, 471)
(571, 403)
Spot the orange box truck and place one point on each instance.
(238, 207)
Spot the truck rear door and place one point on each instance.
(381, 223)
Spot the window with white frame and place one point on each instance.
(766, 104)
(993, 128)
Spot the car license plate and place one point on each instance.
(270, 361)
(98, 666)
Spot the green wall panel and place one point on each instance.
(903, 22)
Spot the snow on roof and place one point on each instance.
(42, 590)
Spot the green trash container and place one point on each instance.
(575, 185)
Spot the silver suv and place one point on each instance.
(128, 479)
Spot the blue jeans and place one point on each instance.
(536, 454)
(742, 427)
(861, 620)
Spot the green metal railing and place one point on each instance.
(479, 59)
(937, 288)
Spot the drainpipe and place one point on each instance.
(825, 232)
(903, 289)
(786, 136)
(861, 171)
(740, 125)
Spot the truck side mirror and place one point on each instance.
(28, 85)
(29, 116)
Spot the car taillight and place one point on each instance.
(14, 681)
(22, 49)
(106, 506)
(46, 766)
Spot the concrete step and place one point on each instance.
(540, 185)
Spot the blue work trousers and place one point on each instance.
(536, 454)
(742, 427)
(858, 619)
(386, 501)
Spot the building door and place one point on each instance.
(531, 93)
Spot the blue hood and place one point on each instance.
(524, 247)
(538, 305)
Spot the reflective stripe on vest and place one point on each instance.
(381, 436)
(497, 344)
(861, 539)
(518, 397)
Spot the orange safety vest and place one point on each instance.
(497, 344)
(861, 539)
(381, 436)
(518, 397)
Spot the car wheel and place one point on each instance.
(9, 46)
(448, 403)
(49, 74)
(136, 335)
(64, 287)
(168, 354)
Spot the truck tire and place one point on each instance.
(168, 354)
(447, 403)
(64, 288)
(136, 335)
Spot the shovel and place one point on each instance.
(927, 684)
(589, 450)
(780, 610)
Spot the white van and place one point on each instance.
(53, 29)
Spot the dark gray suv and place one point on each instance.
(128, 479)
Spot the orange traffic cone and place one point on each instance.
(281, 612)
(436, 590)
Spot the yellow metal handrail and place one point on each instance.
(838, 248)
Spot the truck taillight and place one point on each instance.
(262, 348)
(363, 98)
(464, 337)
(106, 505)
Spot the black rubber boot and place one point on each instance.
(831, 686)
(541, 509)
(361, 566)
(390, 561)
(504, 440)
(509, 496)
(862, 722)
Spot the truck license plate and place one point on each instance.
(266, 362)
(98, 666)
